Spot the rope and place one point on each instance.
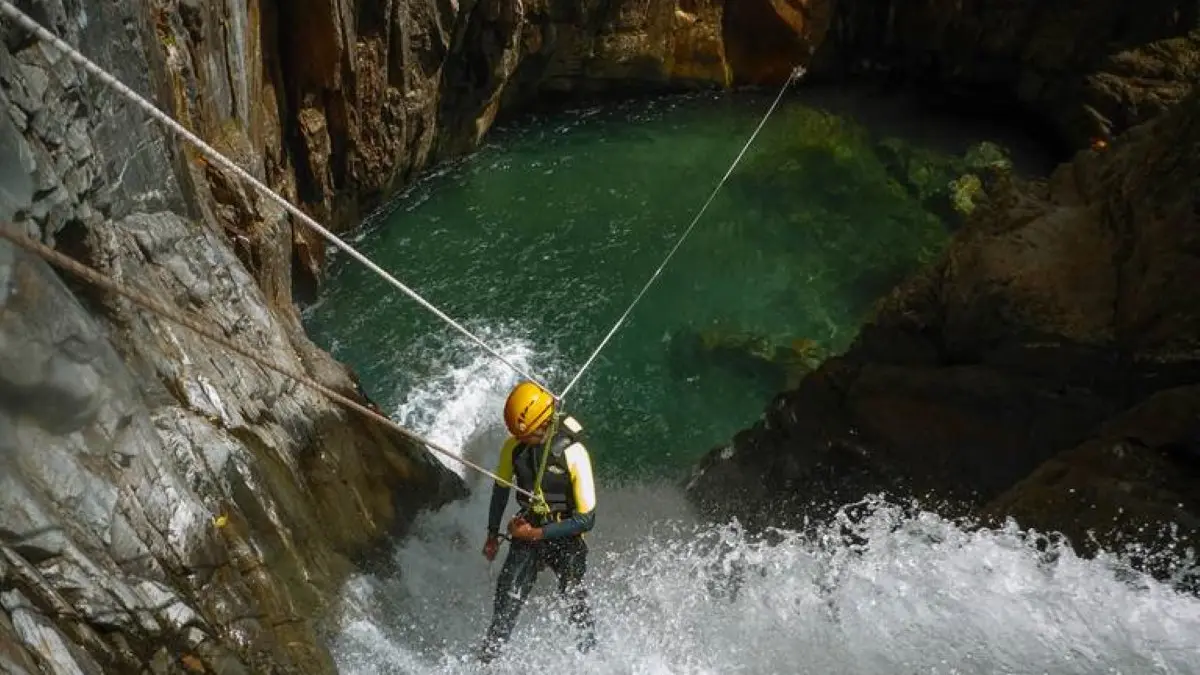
(23, 20)
(96, 278)
(538, 503)
(797, 72)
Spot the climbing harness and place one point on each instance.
(797, 72)
(98, 279)
(538, 503)
(22, 19)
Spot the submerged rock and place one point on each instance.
(1059, 305)
(776, 363)
(944, 185)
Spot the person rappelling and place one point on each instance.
(547, 458)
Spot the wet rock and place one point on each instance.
(14, 658)
(1134, 487)
(1060, 304)
(16, 184)
(132, 518)
(155, 491)
(956, 436)
(51, 647)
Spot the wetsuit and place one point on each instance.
(569, 491)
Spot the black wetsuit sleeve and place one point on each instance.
(496, 509)
(500, 490)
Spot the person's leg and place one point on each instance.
(569, 560)
(513, 586)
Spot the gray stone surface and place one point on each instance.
(163, 504)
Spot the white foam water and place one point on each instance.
(465, 395)
(913, 594)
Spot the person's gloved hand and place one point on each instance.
(490, 547)
(519, 528)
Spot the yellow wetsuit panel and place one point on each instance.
(504, 466)
(579, 465)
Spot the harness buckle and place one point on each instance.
(538, 506)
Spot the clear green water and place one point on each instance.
(542, 238)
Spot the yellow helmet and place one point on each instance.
(527, 409)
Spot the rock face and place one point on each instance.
(192, 507)
(1093, 69)
(508, 53)
(167, 507)
(1059, 305)
(1138, 473)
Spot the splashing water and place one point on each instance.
(920, 596)
(913, 593)
(458, 396)
(556, 228)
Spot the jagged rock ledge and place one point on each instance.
(1045, 368)
(166, 507)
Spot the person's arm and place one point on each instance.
(579, 466)
(500, 491)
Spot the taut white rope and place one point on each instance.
(796, 73)
(9, 10)
(96, 278)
